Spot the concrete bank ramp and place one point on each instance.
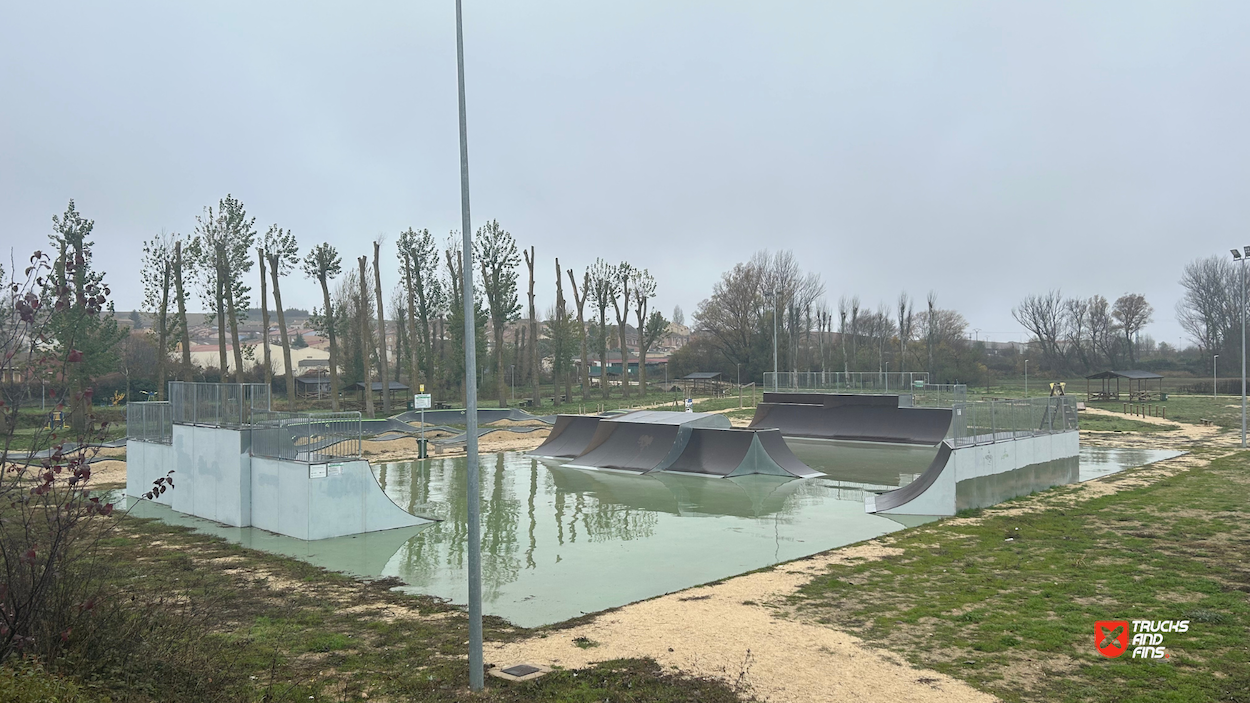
(651, 441)
(569, 437)
(736, 452)
(642, 440)
(864, 418)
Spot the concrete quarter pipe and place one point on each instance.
(864, 418)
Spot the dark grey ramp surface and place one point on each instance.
(736, 452)
(569, 437)
(641, 440)
(865, 423)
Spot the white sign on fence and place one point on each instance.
(334, 470)
(316, 471)
(421, 401)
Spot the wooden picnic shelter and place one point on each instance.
(1137, 382)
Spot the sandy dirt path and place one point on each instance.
(734, 631)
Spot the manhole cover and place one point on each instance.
(520, 670)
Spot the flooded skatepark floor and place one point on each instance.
(559, 542)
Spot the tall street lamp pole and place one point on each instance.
(1026, 378)
(1237, 256)
(775, 340)
(1215, 375)
(476, 670)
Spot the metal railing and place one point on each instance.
(217, 404)
(989, 421)
(913, 383)
(151, 421)
(307, 437)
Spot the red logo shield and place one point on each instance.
(1111, 637)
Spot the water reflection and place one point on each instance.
(560, 541)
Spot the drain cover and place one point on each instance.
(520, 670)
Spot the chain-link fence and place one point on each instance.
(988, 421)
(217, 404)
(916, 384)
(152, 421)
(310, 437)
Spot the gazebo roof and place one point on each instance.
(1131, 375)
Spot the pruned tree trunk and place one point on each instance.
(414, 341)
(561, 322)
(221, 328)
(162, 327)
(334, 348)
(382, 357)
(183, 329)
(366, 336)
(264, 319)
(621, 322)
(288, 370)
(580, 301)
(536, 358)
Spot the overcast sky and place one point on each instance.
(984, 150)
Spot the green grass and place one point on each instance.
(1009, 603)
(221, 622)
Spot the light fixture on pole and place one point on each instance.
(1215, 365)
(476, 669)
(1237, 256)
(773, 297)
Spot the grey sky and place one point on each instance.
(985, 150)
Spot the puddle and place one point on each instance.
(559, 542)
(1102, 461)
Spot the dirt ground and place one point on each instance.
(405, 448)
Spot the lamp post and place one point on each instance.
(1215, 365)
(476, 670)
(1026, 378)
(1237, 256)
(512, 369)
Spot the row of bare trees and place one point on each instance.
(424, 309)
(735, 327)
(1082, 334)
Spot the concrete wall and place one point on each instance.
(216, 478)
(322, 500)
(146, 462)
(979, 476)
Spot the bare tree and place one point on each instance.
(366, 335)
(1042, 316)
(282, 254)
(382, 360)
(644, 291)
(562, 322)
(535, 357)
(603, 289)
(181, 296)
(158, 282)
(1209, 310)
(580, 301)
(905, 319)
(1133, 313)
(264, 318)
(498, 259)
(620, 305)
(323, 264)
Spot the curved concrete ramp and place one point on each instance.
(857, 422)
(570, 436)
(640, 441)
(736, 452)
(981, 475)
